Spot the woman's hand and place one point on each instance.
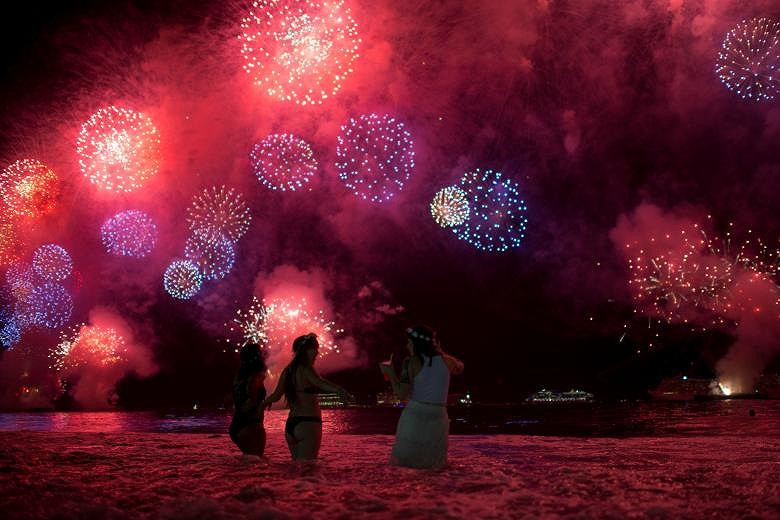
(386, 367)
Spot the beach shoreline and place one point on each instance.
(190, 475)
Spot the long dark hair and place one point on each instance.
(252, 361)
(300, 346)
(423, 342)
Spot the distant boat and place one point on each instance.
(544, 396)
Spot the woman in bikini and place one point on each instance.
(300, 383)
(246, 428)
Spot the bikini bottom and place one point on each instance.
(295, 420)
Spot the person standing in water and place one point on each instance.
(422, 431)
(300, 384)
(246, 429)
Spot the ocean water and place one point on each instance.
(587, 420)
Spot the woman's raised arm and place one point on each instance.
(454, 365)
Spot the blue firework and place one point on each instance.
(182, 279)
(214, 256)
(497, 220)
(749, 59)
(10, 331)
(52, 262)
(375, 156)
(129, 233)
(48, 305)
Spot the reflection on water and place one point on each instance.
(629, 419)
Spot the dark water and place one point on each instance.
(596, 420)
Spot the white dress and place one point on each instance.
(421, 435)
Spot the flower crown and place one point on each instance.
(417, 335)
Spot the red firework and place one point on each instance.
(89, 345)
(11, 243)
(299, 50)
(118, 149)
(29, 188)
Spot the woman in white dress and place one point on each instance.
(421, 435)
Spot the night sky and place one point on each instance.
(608, 115)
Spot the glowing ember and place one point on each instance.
(375, 156)
(219, 212)
(118, 149)
(299, 50)
(283, 162)
(450, 207)
(749, 60)
(29, 188)
(88, 345)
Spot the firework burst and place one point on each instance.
(219, 211)
(250, 323)
(10, 331)
(29, 188)
(20, 279)
(213, 256)
(283, 162)
(182, 279)
(275, 323)
(129, 233)
(52, 262)
(48, 305)
(118, 149)
(497, 220)
(749, 60)
(11, 242)
(299, 50)
(375, 156)
(88, 345)
(450, 207)
(691, 277)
